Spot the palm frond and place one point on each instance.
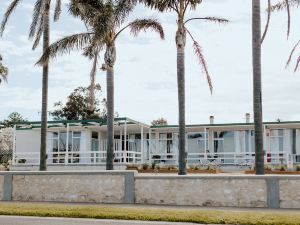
(297, 64)
(144, 24)
(210, 19)
(268, 21)
(122, 9)
(202, 61)
(291, 54)
(161, 5)
(289, 18)
(7, 14)
(89, 51)
(39, 33)
(57, 10)
(36, 17)
(95, 14)
(65, 45)
(286, 5)
(283, 4)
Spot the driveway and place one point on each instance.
(15, 220)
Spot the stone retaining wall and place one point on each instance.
(129, 187)
(267, 191)
(86, 187)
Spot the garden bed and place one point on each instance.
(275, 172)
(176, 171)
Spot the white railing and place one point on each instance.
(164, 152)
(133, 155)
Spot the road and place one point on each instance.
(15, 220)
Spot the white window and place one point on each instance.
(60, 150)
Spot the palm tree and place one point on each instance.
(180, 7)
(40, 27)
(3, 71)
(257, 89)
(104, 20)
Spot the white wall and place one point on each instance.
(28, 141)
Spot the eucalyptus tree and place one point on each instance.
(105, 20)
(257, 87)
(180, 7)
(3, 71)
(39, 28)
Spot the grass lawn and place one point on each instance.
(151, 214)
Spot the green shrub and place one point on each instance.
(145, 166)
(153, 164)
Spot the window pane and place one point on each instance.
(76, 134)
(55, 134)
(76, 145)
(63, 142)
(95, 135)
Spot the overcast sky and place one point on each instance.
(145, 80)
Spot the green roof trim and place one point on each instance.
(72, 123)
(123, 120)
(225, 124)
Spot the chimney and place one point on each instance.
(248, 117)
(212, 119)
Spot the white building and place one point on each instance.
(137, 143)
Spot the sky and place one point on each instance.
(145, 79)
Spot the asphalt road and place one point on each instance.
(14, 220)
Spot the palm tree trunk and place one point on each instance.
(110, 118)
(92, 85)
(257, 87)
(180, 43)
(44, 117)
(110, 57)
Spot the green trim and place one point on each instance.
(123, 120)
(70, 121)
(225, 124)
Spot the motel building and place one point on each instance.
(79, 145)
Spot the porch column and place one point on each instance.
(67, 146)
(142, 144)
(120, 141)
(149, 150)
(14, 146)
(265, 143)
(125, 142)
(205, 145)
(211, 141)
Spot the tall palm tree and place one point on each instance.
(180, 7)
(3, 71)
(105, 21)
(40, 27)
(257, 87)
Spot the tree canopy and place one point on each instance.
(159, 122)
(76, 107)
(12, 119)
